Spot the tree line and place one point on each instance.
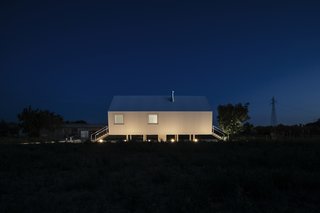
(232, 118)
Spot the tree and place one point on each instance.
(4, 128)
(33, 121)
(8, 129)
(232, 117)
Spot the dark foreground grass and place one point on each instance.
(235, 177)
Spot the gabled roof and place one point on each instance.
(159, 103)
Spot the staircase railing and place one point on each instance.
(101, 133)
(219, 133)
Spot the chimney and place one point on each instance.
(172, 96)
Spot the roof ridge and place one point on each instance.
(159, 103)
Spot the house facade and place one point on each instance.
(161, 118)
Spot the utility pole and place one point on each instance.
(273, 112)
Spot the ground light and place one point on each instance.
(172, 140)
(195, 140)
(100, 141)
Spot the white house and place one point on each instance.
(160, 118)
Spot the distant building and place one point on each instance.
(79, 130)
(160, 118)
(72, 131)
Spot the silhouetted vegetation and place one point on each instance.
(281, 132)
(32, 121)
(8, 129)
(139, 177)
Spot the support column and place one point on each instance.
(162, 138)
(127, 137)
(190, 137)
(144, 138)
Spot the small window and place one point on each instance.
(152, 118)
(118, 119)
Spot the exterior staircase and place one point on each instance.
(100, 134)
(219, 133)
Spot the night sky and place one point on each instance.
(72, 58)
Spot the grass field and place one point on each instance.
(201, 177)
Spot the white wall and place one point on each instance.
(136, 123)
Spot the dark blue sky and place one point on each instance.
(72, 57)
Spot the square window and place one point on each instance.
(152, 118)
(118, 119)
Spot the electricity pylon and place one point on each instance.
(273, 112)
